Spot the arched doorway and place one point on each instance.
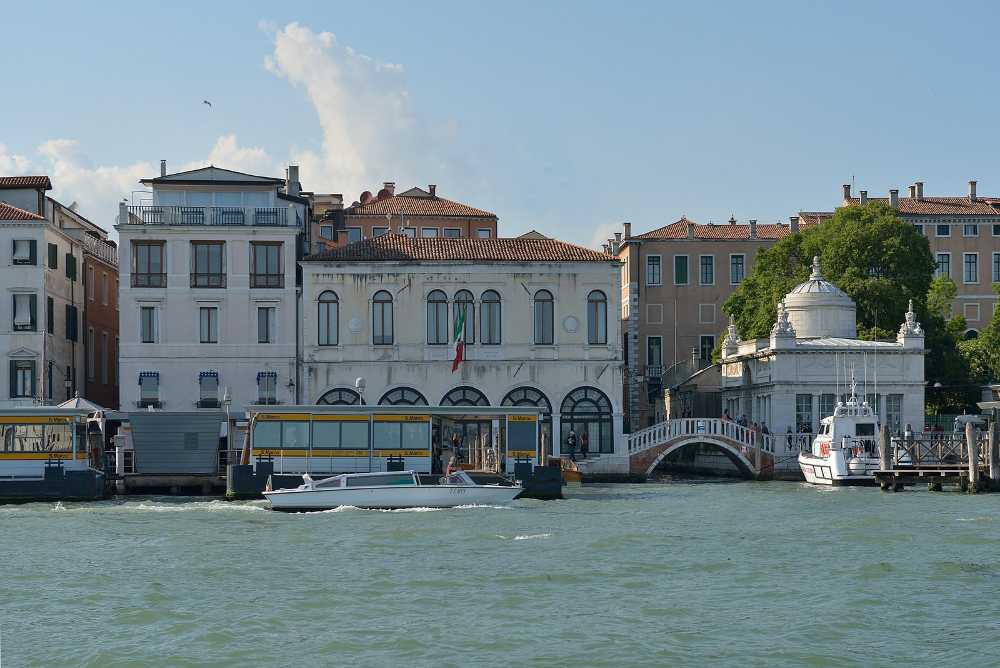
(402, 396)
(340, 397)
(587, 409)
(529, 396)
(469, 431)
(465, 396)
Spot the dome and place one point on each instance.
(818, 308)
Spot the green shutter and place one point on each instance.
(34, 377)
(33, 252)
(53, 256)
(13, 379)
(70, 267)
(33, 310)
(50, 315)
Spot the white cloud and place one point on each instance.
(228, 154)
(12, 164)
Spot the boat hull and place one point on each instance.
(387, 498)
(835, 471)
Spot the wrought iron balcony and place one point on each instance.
(208, 215)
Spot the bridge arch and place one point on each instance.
(734, 453)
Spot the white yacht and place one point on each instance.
(400, 489)
(845, 451)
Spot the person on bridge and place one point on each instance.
(763, 428)
(571, 444)
(726, 417)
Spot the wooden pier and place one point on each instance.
(969, 461)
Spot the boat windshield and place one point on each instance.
(459, 478)
(865, 429)
(383, 480)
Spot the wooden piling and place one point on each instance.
(994, 441)
(973, 450)
(884, 445)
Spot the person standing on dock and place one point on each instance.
(571, 444)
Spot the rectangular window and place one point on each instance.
(379, 231)
(22, 379)
(208, 389)
(25, 316)
(706, 272)
(50, 315)
(484, 233)
(267, 387)
(452, 233)
(265, 324)
(208, 264)
(827, 403)
(326, 232)
(803, 413)
(24, 251)
(654, 355)
(875, 402)
(91, 287)
(72, 328)
(737, 269)
(996, 267)
(706, 346)
(919, 228)
(149, 389)
(148, 268)
(429, 232)
(91, 345)
(894, 412)
(943, 264)
(970, 267)
(147, 324)
(410, 232)
(680, 270)
(53, 256)
(653, 272)
(706, 314)
(971, 312)
(70, 266)
(104, 358)
(105, 294)
(353, 234)
(265, 265)
(943, 230)
(970, 230)
(208, 324)
(996, 229)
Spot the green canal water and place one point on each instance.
(686, 574)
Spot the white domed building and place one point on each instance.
(793, 379)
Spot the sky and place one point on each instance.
(568, 118)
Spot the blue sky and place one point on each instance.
(569, 118)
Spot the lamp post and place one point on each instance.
(227, 401)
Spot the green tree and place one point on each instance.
(941, 296)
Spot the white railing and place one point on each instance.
(208, 215)
(100, 249)
(669, 430)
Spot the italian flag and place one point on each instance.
(458, 340)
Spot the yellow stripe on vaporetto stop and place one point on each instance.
(520, 453)
(522, 418)
(326, 452)
(39, 455)
(402, 418)
(340, 418)
(402, 453)
(36, 419)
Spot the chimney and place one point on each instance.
(690, 230)
(292, 182)
(732, 220)
(390, 186)
(628, 231)
(913, 191)
(433, 189)
(163, 167)
(753, 228)
(341, 235)
(894, 198)
(972, 191)
(793, 224)
(618, 238)
(122, 213)
(864, 197)
(847, 192)
(606, 249)
(920, 189)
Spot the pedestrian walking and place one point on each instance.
(571, 444)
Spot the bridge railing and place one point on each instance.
(668, 430)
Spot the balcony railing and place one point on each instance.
(208, 215)
(100, 249)
(208, 280)
(149, 280)
(267, 280)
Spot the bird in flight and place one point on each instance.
(206, 102)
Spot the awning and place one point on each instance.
(266, 374)
(208, 374)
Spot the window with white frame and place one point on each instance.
(267, 387)
(970, 230)
(353, 234)
(943, 230)
(22, 379)
(970, 267)
(919, 228)
(91, 344)
(149, 389)
(379, 231)
(827, 404)
(597, 318)
(706, 270)
(382, 327)
(147, 324)
(266, 323)
(996, 229)
(437, 318)
(328, 312)
(971, 312)
(104, 358)
(410, 232)
(737, 268)
(542, 320)
(105, 295)
(706, 346)
(996, 267)
(484, 233)
(25, 311)
(429, 232)
(803, 413)
(653, 270)
(208, 389)
(943, 264)
(654, 353)
(208, 324)
(681, 270)
(490, 323)
(894, 412)
(452, 232)
(91, 286)
(24, 251)
(706, 314)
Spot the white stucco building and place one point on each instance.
(541, 329)
(208, 290)
(793, 379)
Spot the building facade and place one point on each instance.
(964, 236)
(41, 332)
(674, 282)
(540, 328)
(100, 317)
(208, 291)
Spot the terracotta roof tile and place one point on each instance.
(938, 206)
(411, 205)
(399, 248)
(25, 182)
(11, 212)
(679, 230)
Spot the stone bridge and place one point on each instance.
(750, 450)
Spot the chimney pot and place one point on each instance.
(894, 198)
(732, 220)
(972, 191)
(847, 191)
(864, 197)
(292, 180)
(628, 230)
(793, 224)
(920, 189)
(390, 186)
(913, 191)
(433, 189)
(690, 230)
(753, 228)
(618, 237)
(163, 167)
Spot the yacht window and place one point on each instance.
(381, 480)
(866, 429)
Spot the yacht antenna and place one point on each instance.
(877, 416)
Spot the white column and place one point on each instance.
(556, 438)
(617, 425)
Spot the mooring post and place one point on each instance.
(973, 449)
(756, 455)
(884, 456)
(994, 442)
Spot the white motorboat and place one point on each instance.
(845, 451)
(400, 489)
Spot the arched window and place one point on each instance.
(340, 397)
(402, 396)
(543, 318)
(464, 302)
(597, 318)
(529, 396)
(437, 318)
(465, 396)
(588, 410)
(329, 319)
(489, 320)
(382, 319)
